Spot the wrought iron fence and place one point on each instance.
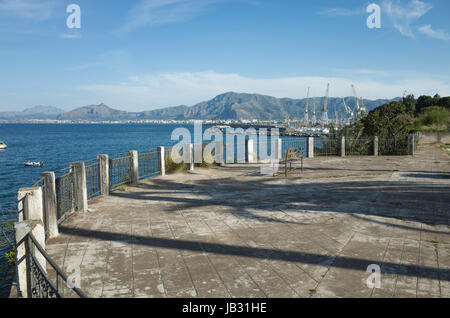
(64, 192)
(393, 146)
(119, 171)
(39, 283)
(324, 146)
(92, 182)
(359, 147)
(148, 165)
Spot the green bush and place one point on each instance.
(172, 167)
(433, 118)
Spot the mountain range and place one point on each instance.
(227, 106)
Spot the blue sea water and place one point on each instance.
(57, 146)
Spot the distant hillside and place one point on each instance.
(36, 112)
(234, 106)
(254, 106)
(100, 112)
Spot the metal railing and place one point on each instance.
(119, 171)
(393, 147)
(359, 147)
(92, 182)
(324, 146)
(39, 283)
(64, 192)
(148, 165)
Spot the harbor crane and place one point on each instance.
(359, 109)
(307, 106)
(348, 110)
(325, 106)
(314, 118)
(336, 118)
(363, 107)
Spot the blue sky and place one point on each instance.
(147, 54)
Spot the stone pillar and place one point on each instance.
(49, 198)
(219, 153)
(188, 156)
(279, 145)
(79, 187)
(103, 174)
(134, 166)
(22, 229)
(375, 146)
(162, 161)
(411, 145)
(342, 146)
(310, 147)
(30, 204)
(249, 151)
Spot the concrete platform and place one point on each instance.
(230, 232)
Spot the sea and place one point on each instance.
(59, 144)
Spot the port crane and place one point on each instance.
(348, 110)
(359, 109)
(325, 106)
(314, 118)
(307, 106)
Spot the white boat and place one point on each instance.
(34, 164)
(3, 145)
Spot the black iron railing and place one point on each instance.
(39, 284)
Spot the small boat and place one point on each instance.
(3, 145)
(34, 164)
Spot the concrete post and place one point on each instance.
(49, 198)
(342, 146)
(30, 203)
(375, 146)
(310, 147)
(80, 190)
(103, 174)
(161, 161)
(22, 229)
(188, 156)
(219, 153)
(134, 166)
(249, 151)
(279, 144)
(411, 145)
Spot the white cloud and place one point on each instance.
(157, 12)
(34, 9)
(437, 34)
(170, 89)
(404, 15)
